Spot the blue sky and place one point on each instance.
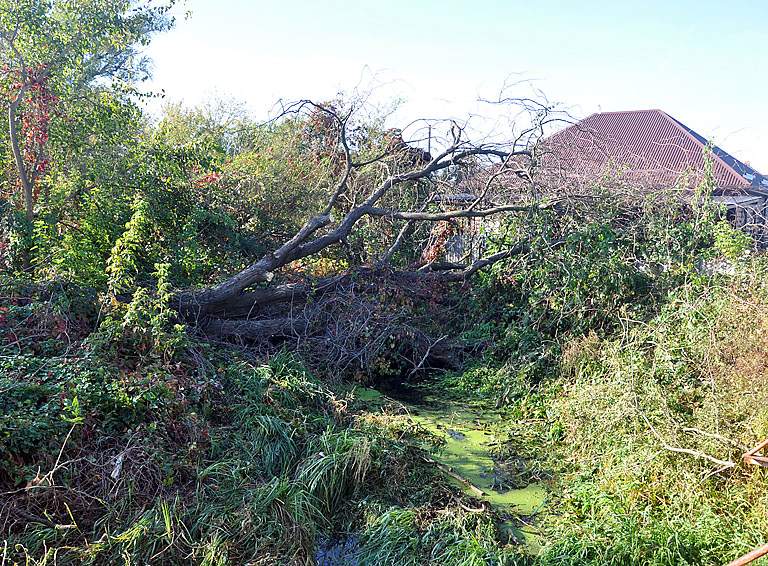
(705, 62)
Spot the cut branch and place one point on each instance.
(462, 213)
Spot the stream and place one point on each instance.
(467, 453)
(467, 459)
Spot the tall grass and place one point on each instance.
(691, 378)
(259, 466)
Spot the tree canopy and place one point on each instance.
(55, 56)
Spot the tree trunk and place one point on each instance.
(26, 183)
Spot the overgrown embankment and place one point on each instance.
(642, 429)
(129, 442)
(654, 423)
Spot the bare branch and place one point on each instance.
(461, 213)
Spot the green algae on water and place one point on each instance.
(467, 452)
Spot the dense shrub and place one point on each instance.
(685, 380)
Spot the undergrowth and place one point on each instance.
(691, 379)
(643, 428)
(122, 442)
(629, 371)
(632, 372)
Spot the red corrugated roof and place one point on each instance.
(649, 143)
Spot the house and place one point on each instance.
(649, 150)
(654, 150)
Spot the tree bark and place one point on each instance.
(26, 183)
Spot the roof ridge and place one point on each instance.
(713, 155)
(626, 112)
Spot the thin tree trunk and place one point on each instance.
(26, 183)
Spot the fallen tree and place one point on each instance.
(399, 191)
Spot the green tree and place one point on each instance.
(54, 51)
(220, 124)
